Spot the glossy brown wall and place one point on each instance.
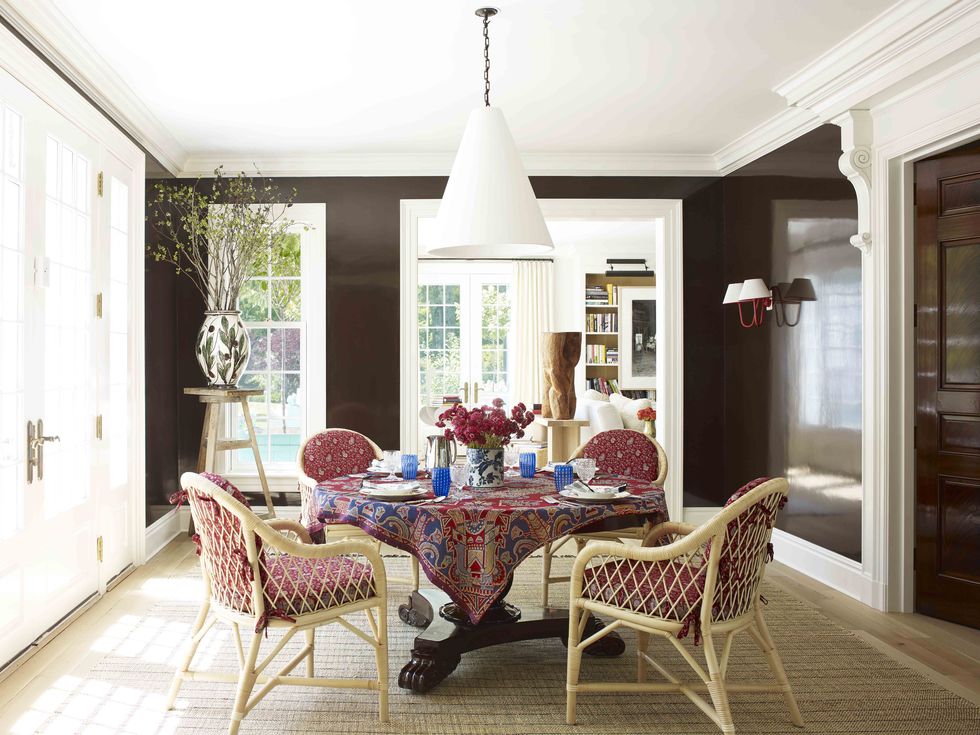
(792, 395)
(362, 313)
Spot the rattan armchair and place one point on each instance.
(257, 577)
(619, 452)
(684, 581)
(333, 453)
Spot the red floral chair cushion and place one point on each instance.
(336, 452)
(624, 452)
(296, 586)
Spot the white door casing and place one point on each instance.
(416, 213)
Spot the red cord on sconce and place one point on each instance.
(759, 307)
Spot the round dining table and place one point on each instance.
(469, 545)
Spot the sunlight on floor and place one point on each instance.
(89, 706)
(86, 705)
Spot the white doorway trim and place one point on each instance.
(938, 115)
(668, 266)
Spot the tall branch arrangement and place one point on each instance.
(218, 236)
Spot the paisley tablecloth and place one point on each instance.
(469, 548)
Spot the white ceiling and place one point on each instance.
(295, 77)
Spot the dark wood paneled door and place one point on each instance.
(947, 387)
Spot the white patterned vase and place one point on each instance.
(222, 348)
(486, 467)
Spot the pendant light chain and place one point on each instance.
(486, 60)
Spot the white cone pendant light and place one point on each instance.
(488, 209)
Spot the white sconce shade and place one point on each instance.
(732, 293)
(754, 288)
(488, 209)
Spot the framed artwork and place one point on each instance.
(638, 338)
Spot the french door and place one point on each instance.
(465, 331)
(63, 306)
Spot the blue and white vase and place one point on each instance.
(486, 467)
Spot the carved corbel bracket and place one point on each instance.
(855, 163)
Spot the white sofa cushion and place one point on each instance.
(627, 409)
(601, 415)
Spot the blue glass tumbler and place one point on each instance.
(564, 475)
(528, 462)
(440, 481)
(410, 466)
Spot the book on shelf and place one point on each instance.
(606, 386)
(607, 323)
(596, 296)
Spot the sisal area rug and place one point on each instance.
(843, 685)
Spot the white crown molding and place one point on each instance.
(890, 49)
(903, 40)
(778, 130)
(56, 39)
(439, 164)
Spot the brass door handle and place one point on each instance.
(35, 449)
(466, 392)
(476, 392)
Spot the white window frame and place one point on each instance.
(313, 326)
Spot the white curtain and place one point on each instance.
(533, 314)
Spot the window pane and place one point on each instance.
(286, 259)
(286, 301)
(287, 342)
(254, 301)
(258, 358)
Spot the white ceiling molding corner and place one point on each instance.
(53, 36)
(890, 49)
(778, 130)
(439, 164)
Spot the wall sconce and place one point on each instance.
(755, 292)
(751, 291)
(791, 294)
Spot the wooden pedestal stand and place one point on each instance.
(211, 443)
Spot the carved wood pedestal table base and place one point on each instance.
(469, 547)
(448, 635)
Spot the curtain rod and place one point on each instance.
(492, 260)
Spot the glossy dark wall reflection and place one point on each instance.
(792, 395)
(362, 313)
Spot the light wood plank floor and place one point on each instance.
(946, 653)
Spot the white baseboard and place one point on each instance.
(161, 532)
(843, 574)
(697, 515)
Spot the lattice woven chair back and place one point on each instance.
(222, 542)
(746, 549)
(628, 453)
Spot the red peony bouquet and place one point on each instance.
(486, 427)
(647, 414)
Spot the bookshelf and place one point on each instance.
(602, 323)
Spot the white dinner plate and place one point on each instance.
(593, 498)
(393, 491)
